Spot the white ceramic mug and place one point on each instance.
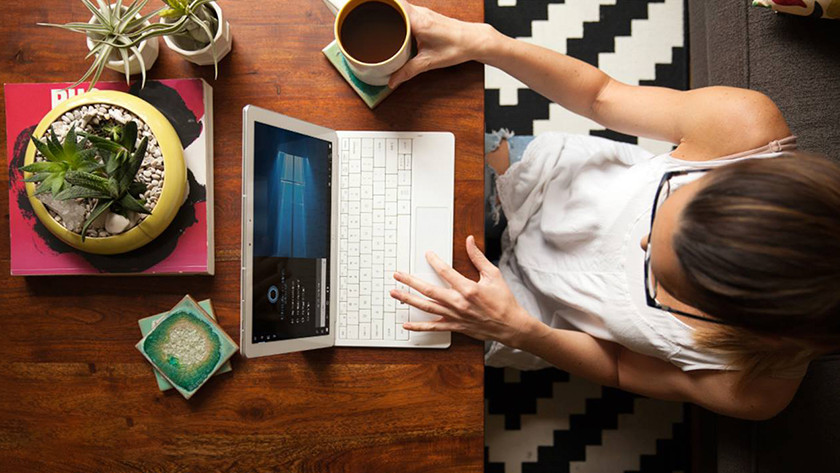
(374, 73)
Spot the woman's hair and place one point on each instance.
(759, 245)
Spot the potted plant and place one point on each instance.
(118, 37)
(105, 172)
(197, 30)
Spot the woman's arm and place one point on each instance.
(487, 310)
(707, 123)
(612, 365)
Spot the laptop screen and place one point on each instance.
(292, 200)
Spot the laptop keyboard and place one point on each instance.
(375, 238)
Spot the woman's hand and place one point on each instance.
(441, 42)
(485, 310)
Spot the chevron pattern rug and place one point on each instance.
(546, 421)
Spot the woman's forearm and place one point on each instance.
(578, 353)
(569, 82)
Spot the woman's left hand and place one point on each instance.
(486, 310)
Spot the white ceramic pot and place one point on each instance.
(223, 42)
(149, 50)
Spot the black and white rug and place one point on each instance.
(547, 421)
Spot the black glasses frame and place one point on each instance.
(650, 294)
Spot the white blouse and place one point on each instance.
(577, 208)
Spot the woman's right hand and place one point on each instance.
(441, 42)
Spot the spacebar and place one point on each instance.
(404, 243)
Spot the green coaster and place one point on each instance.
(148, 323)
(187, 347)
(371, 94)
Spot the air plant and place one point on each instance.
(116, 29)
(192, 22)
(61, 158)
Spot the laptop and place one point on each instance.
(327, 218)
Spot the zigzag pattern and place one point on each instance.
(600, 37)
(593, 427)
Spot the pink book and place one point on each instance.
(185, 247)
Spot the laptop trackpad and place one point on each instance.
(432, 232)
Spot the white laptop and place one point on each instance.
(327, 218)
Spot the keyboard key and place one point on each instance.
(367, 147)
(391, 163)
(405, 146)
(403, 243)
(404, 193)
(402, 316)
(390, 208)
(404, 178)
(345, 144)
(379, 152)
(355, 149)
(391, 181)
(364, 315)
(388, 332)
(391, 194)
(404, 207)
(342, 333)
(376, 330)
(352, 332)
(364, 331)
(402, 334)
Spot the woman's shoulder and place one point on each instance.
(728, 121)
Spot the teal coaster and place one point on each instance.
(187, 347)
(371, 94)
(148, 323)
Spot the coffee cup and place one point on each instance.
(375, 38)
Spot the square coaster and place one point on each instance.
(187, 347)
(148, 323)
(372, 95)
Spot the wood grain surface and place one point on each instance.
(76, 396)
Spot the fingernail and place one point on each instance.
(397, 275)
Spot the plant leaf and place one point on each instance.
(38, 177)
(102, 206)
(129, 136)
(42, 148)
(86, 179)
(44, 166)
(57, 183)
(79, 192)
(69, 148)
(128, 202)
(114, 188)
(54, 145)
(42, 188)
(137, 188)
(104, 143)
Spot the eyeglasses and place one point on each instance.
(650, 282)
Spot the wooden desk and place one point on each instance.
(76, 396)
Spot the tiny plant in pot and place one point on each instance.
(118, 37)
(196, 30)
(105, 172)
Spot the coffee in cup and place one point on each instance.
(375, 38)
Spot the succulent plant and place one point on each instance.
(117, 29)
(71, 156)
(113, 185)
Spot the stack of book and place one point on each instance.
(185, 346)
(185, 247)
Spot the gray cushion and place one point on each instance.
(793, 60)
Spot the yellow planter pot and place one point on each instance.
(174, 182)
